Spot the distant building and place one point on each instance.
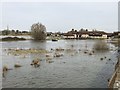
(116, 33)
(98, 34)
(74, 34)
(69, 36)
(109, 35)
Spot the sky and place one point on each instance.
(60, 16)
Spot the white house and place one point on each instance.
(84, 35)
(104, 36)
(69, 36)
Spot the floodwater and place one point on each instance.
(72, 70)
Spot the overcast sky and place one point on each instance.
(61, 16)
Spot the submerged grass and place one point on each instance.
(101, 46)
(26, 51)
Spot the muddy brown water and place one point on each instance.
(72, 70)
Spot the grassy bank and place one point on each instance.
(11, 39)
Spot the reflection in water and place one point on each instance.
(4, 74)
(66, 65)
(38, 44)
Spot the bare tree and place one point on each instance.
(38, 31)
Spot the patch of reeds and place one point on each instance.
(101, 46)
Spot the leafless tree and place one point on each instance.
(38, 31)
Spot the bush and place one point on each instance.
(101, 46)
(38, 31)
(116, 42)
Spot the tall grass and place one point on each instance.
(116, 42)
(101, 46)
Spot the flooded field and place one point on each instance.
(74, 68)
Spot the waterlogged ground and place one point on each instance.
(73, 69)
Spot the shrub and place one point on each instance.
(116, 42)
(101, 46)
(38, 31)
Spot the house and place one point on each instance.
(116, 34)
(69, 36)
(109, 35)
(83, 34)
(97, 34)
(74, 34)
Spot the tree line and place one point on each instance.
(13, 32)
(38, 32)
